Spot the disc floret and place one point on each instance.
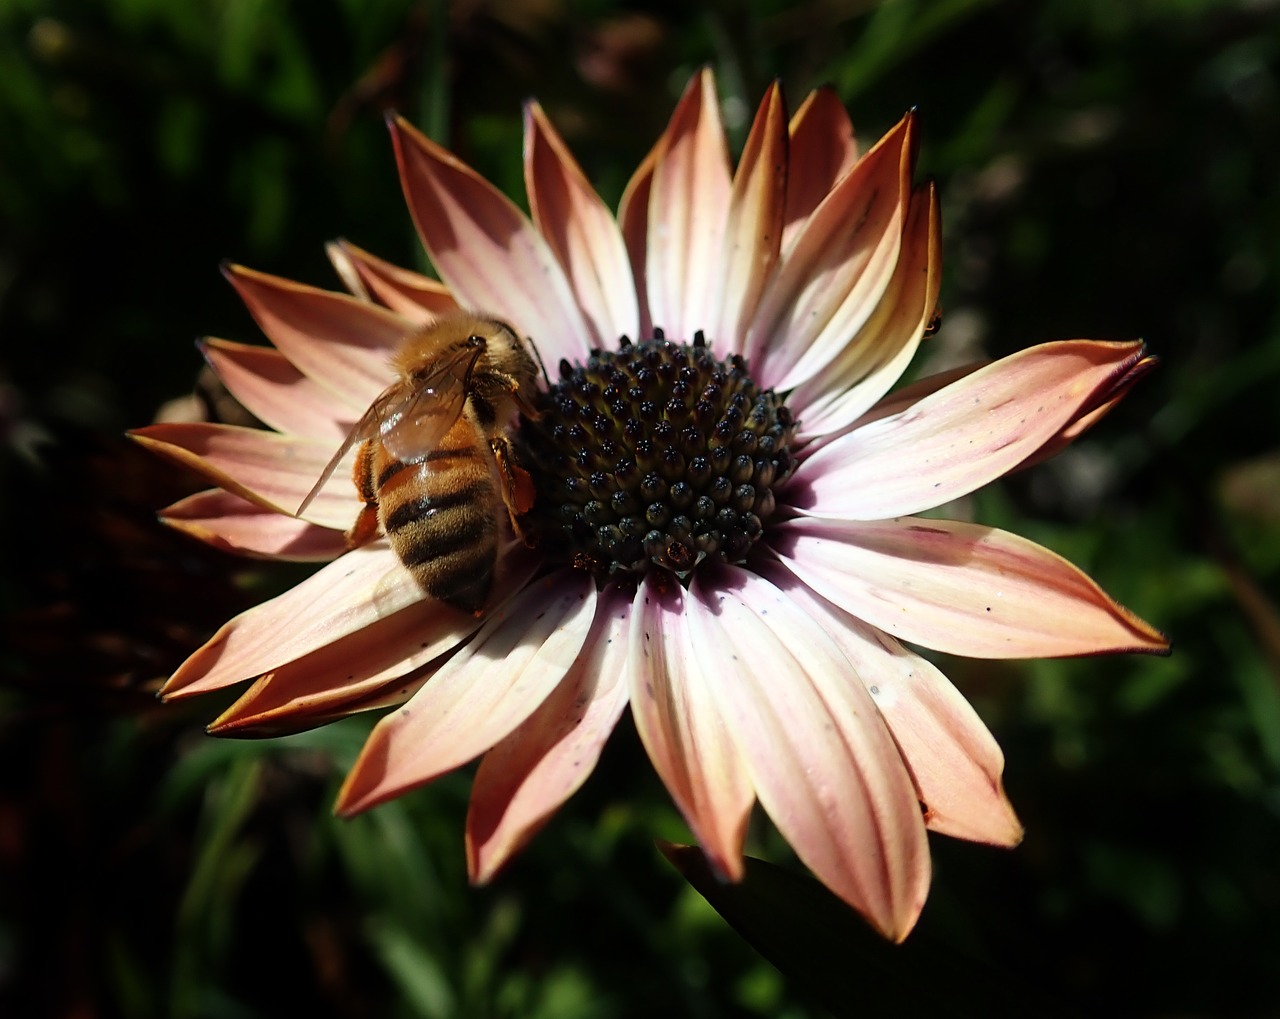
(655, 454)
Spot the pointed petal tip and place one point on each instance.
(1160, 646)
(995, 824)
(483, 867)
(167, 695)
(352, 802)
(348, 804)
(1016, 833)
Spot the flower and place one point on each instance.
(753, 620)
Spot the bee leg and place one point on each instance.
(516, 484)
(526, 406)
(365, 529)
(512, 386)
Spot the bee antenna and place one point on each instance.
(541, 363)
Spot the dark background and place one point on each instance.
(1106, 169)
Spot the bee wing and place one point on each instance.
(363, 429)
(416, 425)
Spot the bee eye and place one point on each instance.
(475, 340)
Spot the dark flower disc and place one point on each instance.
(655, 454)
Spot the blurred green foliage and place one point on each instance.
(1107, 169)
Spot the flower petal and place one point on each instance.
(954, 760)
(1087, 415)
(681, 727)
(961, 437)
(1090, 413)
(753, 234)
(480, 695)
(344, 597)
(317, 687)
(633, 221)
(526, 777)
(820, 757)
(960, 588)
(832, 276)
(822, 151)
(877, 356)
(234, 525)
(340, 341)
(418, 298)
(271, 470)
(580, 230)
(485, 248)
(688, 208)
(276, 392)
(383, 663)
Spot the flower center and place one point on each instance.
(656, 454)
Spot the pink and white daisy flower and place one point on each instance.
(725, 532)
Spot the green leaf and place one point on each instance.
(830, 953)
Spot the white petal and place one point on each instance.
(960, 588)
(526, 777)
(480, 695)
(819, 755)
(681, 727)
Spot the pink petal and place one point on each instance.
(954, 761)
(832, 276)
(369, 663)
(377, 665)
(256, 716)
(681, 727)
(820, 758)
(344, 597)
(341, 342)
(270, 709)
(525, 778)
(580, 230)
(876, 357)
(912, 393)
(822, 151)
(1088, 414)
(960, 588)
(486, 249)
(1092, 412)
(418, 298)
(480, 695)
(276, 392)
(230, 523)
(958, 439)
(271, 470)
(753, 233)
(633, 221)
(687, 213)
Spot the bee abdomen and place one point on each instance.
(449, 541)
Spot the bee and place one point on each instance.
(435, 465)
(934, 324)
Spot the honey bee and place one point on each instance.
(435, 464)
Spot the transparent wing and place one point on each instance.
(413, 426)
(368, 425)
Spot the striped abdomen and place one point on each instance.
(441, 515)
